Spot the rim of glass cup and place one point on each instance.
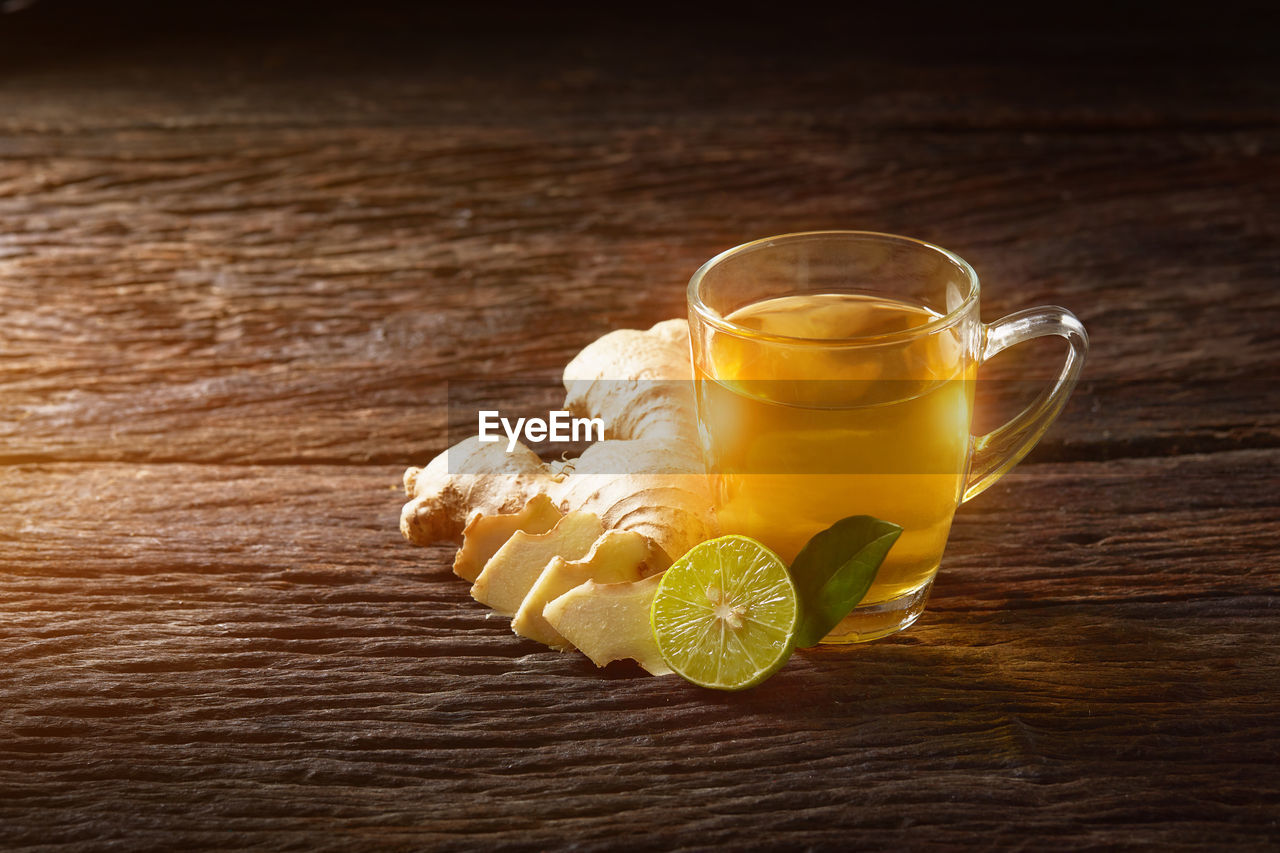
(715, 318)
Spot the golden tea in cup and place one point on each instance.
(835, 376)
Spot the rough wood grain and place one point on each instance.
(244, 246)
(170, 293)
(190, 654)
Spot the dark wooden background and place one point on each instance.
(243, 249)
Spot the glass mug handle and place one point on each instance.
(1002, 448)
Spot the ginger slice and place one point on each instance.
(609, 622)
(509, 575)
(485, 534)
(616, 557)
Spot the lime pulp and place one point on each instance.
(726, 613)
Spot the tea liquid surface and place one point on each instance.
(801, 434)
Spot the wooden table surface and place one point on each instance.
(242, 252)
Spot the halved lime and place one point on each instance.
(726, 613)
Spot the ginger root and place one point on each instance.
(616, 557)
(609, 622)
(646, 479)
(485, 534)
(512, 572)
(647, 476)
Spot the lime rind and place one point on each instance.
(726, 613)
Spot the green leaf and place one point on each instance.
(835, 569)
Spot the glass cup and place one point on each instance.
(835, 375)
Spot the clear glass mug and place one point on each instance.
(835, 375)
